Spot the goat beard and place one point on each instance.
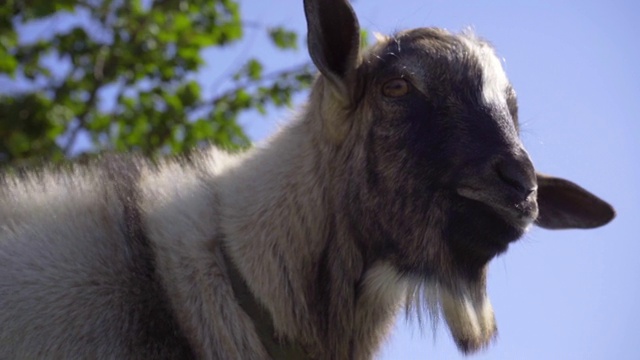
(465, 307)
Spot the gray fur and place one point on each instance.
(396, 184)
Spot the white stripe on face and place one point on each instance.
(494, 79)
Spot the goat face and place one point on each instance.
(437, 179)
(443, 154)
(446, 183)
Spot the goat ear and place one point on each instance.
(333, 37)
(565, 205)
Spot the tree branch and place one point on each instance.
(108, 61)
(246, 84)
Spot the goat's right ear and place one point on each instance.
(333, 37)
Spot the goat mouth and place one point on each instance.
(515, 207)
(481, 227)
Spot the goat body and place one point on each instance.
(399, 180)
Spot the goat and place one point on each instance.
(400, 179)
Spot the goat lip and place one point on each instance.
(508, 203)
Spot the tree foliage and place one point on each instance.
(121, 75)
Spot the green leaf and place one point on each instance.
(284, 39)
(254, 69)
(8, 64)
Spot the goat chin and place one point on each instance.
(466, 310)
(470, 318)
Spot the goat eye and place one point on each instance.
(395, 88)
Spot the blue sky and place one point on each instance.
(575, 66)
(569, 294)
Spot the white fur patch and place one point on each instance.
(385, 284)
(494, 79)
(380, 37)
(470, 318)
(468, 314)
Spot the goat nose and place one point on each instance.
(517, 172)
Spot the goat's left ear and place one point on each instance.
(333, 37)
(565, 205)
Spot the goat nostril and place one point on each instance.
(517, 174)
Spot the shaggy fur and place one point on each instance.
(394, 186)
